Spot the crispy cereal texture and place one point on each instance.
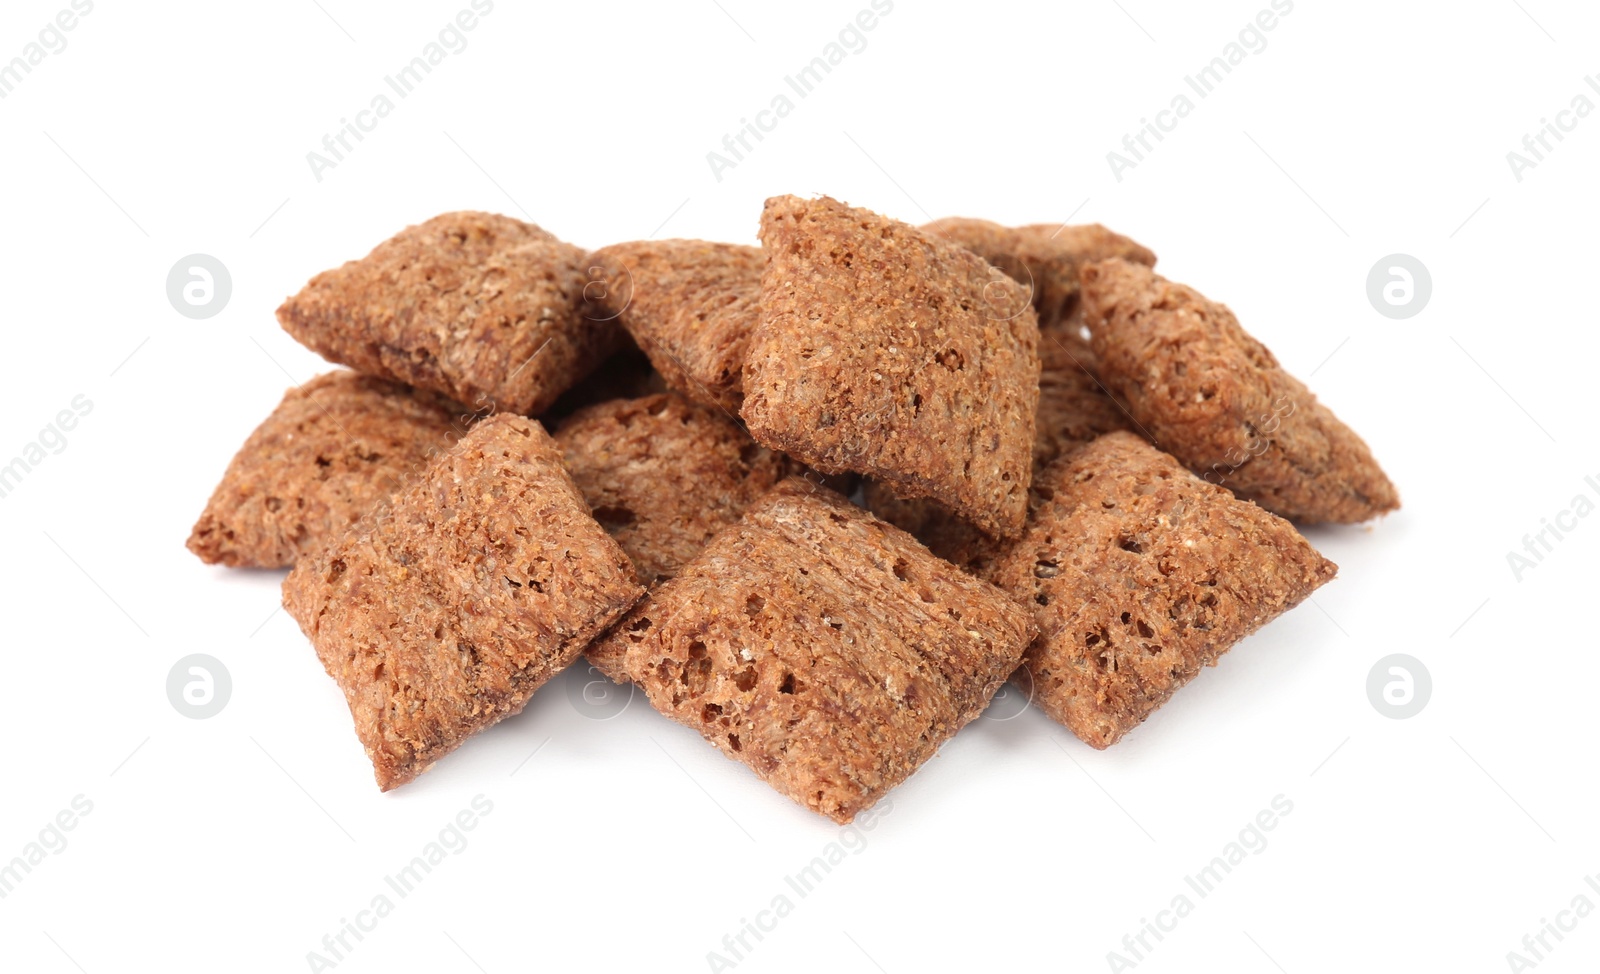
(690, 304)
(482, 308)
(1139, 573)
(1074, 407)
(1044, 257)
(1073, 410)
(444, 613)
(1216, 399)
(334, 449)
(825, 649)
(897, 355)
(664, 475)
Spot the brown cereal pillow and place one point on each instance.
(690, 305)
(1215, 398)
(820, 646)
(334, 449)
(664, 475)
(1043, 257)
(1139, 573)
(443, 614)
(894, 354)
(1073, 410)
(482, 308)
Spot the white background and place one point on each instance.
(1363, 129)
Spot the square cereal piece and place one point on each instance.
(333, 450)
(1139, 573)
(894, 354)
(690, 304)
(665, 475)
(823, 648)
(1214, 397)
(446, 611)
(482, 308)
(1073, 410)
(1043, 257)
